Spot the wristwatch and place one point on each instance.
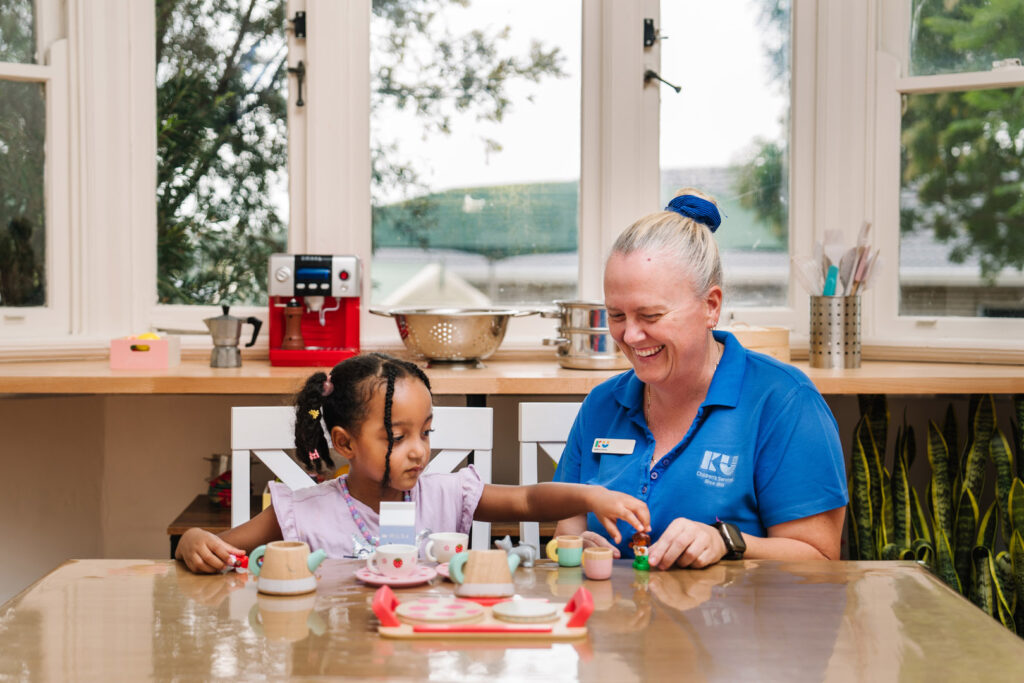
(735, 546)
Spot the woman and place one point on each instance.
(736, 454)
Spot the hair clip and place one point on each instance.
(314, 413)
(314, 455)
(328, 387)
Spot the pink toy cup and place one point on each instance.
(597, 563)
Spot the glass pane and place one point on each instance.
(22, 211)
(727, 132)
(17, 31)
(222, 148)
(961, 205)
(475, 130)
(965, 35)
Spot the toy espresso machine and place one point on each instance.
(314, 309)
(226, 329)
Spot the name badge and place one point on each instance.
(613, 446)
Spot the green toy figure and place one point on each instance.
(639, 545)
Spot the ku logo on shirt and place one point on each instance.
(718, 469)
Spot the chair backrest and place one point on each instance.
(543, 427)
(267, 430)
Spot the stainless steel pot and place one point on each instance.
(584, 342)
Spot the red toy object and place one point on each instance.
(569, 624)
(327, 290)
(237, 562)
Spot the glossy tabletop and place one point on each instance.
(752, 620)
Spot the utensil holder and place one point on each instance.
(835, 332)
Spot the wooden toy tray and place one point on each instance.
(569, 625)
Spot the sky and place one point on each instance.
(714, 51)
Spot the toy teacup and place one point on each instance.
(567, 551)
(287, 567)
(443, 546)
(487, 573)
(394, 560)
(597, 563)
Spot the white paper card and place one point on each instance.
(398, 523)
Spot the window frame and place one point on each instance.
(926, 337)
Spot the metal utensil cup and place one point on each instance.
(835, 332)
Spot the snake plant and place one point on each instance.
(979, 555)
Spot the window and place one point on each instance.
(222, 149)
(33, 180)
(951, 81)
(727, 132)
(474, 134)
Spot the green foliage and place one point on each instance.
(952, 541)
(222, 128)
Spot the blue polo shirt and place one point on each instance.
(763, 449)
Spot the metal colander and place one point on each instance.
(452, 335)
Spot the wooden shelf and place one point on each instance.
(502, 376)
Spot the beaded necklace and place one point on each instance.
(364, 529)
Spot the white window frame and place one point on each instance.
(999, 338)
(26, 325)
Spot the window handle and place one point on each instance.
(300, 73)
(651, 74)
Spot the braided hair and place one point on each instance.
(342, 399)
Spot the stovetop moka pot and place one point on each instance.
(226, 329)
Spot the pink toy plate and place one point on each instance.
(421, 575)
(442, 569)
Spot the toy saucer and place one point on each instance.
(439, 611)
(525, 611)
(442, 570)
(422, 574)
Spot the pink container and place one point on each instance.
(597, 563)
(144, 354)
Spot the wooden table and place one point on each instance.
(748, 620)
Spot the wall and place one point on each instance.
(116, 470)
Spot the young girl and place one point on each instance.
(378, 412)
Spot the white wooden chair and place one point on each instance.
(267, 431)
(542, 427)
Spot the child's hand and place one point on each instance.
(609, 506)
(203, 552)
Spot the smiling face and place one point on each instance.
(658, 320)
(366, 449)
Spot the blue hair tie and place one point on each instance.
(700, 210)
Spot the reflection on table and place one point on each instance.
(126, 620)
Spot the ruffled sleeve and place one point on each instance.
(284, 508)
(472, 488)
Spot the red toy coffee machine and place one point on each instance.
(314, 309)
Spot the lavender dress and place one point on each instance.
(319, 515)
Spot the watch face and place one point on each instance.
(734, 543)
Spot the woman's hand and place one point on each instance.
(686, 543)
(609, 506)
(203, 552)
(593, 540)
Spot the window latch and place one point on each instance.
(651, 34)
(298, 23)
(652, 75)
(300, 74)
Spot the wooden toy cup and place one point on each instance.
(597, 563)
(567, 551)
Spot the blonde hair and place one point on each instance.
(689, 243)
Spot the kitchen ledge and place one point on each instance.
(512, 373)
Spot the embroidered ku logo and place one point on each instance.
(726, 463)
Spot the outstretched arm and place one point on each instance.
(551, 501)
(206, 553)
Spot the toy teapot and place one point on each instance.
(483, 573)
(287, 567)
